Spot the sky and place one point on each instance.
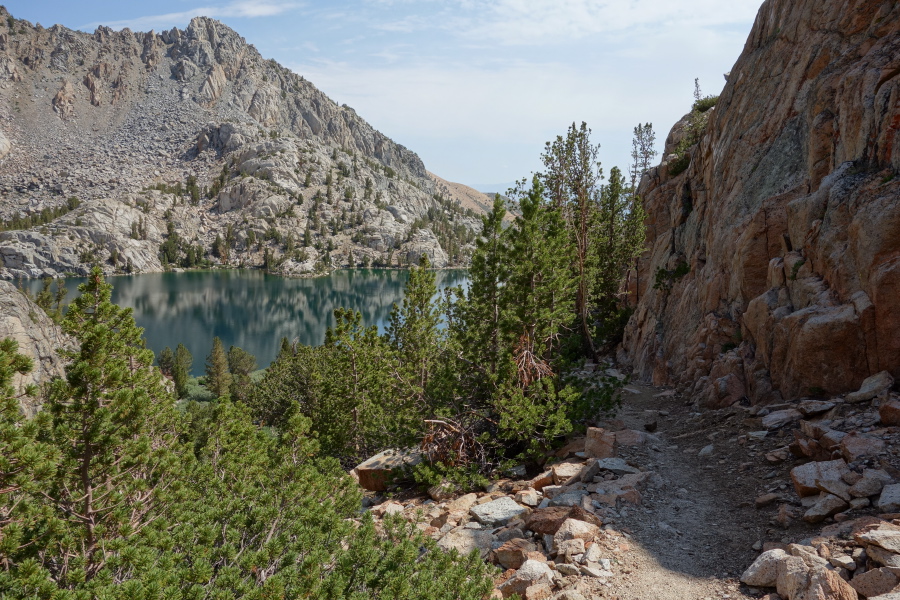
(475, 87)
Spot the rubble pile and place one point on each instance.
(552, 534)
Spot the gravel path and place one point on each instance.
(693, 534)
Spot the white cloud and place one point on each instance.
(238, 8)
(532, 22)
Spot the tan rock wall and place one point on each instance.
(788, 216)
(37, 335)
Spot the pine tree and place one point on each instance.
(618, 240)
(240, 364)
(414, 332)
(540, 287)
(572, 180)
(26, 464)
(218, 379)
(482, 311)
(181, 371)
(114, 426)
(166, 361)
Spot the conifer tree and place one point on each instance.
(483, 309)
(572, 180)
(26, 464)
(618, 240)
(114, 426)
(240, 364)
(540, 288)
(218, 379)
(181, 371)
(166, 361)
(414, 332)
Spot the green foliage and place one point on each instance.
(43, 217)
(176, 251)
(50, 301)
(680, 164)
(240, 365)
(465, 478)
(796, 269)
(704, 104)
(665, 278)
(618, 238)
(181, 370)
(109, 493)
(166, 361)
(218, 378)
(693, 132)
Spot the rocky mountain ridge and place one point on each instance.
(774, 263)
(195, 128)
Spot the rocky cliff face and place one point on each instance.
(788, 217)
(123, 121)
(38, 337)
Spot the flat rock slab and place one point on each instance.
(811, 408)
(871, 387)
(780, 418)
(889, 501)
(498, 512)
(547, 521)
(563, 472)
(805, 477)
(376, 472)
(870, 484)
(874, 582)
(631, 437)
(828, 505)
(600, 443)
(616, 466)
(570, 498)
(465, 540)
(855, 446)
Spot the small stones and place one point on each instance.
(767, 499)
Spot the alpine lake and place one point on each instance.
(251, 309)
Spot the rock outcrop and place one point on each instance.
(125, 120)
(37, 335)
(780, 243)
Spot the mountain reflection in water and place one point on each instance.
(251, 309)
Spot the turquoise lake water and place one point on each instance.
(251, 309)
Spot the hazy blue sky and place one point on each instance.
(474, 86)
